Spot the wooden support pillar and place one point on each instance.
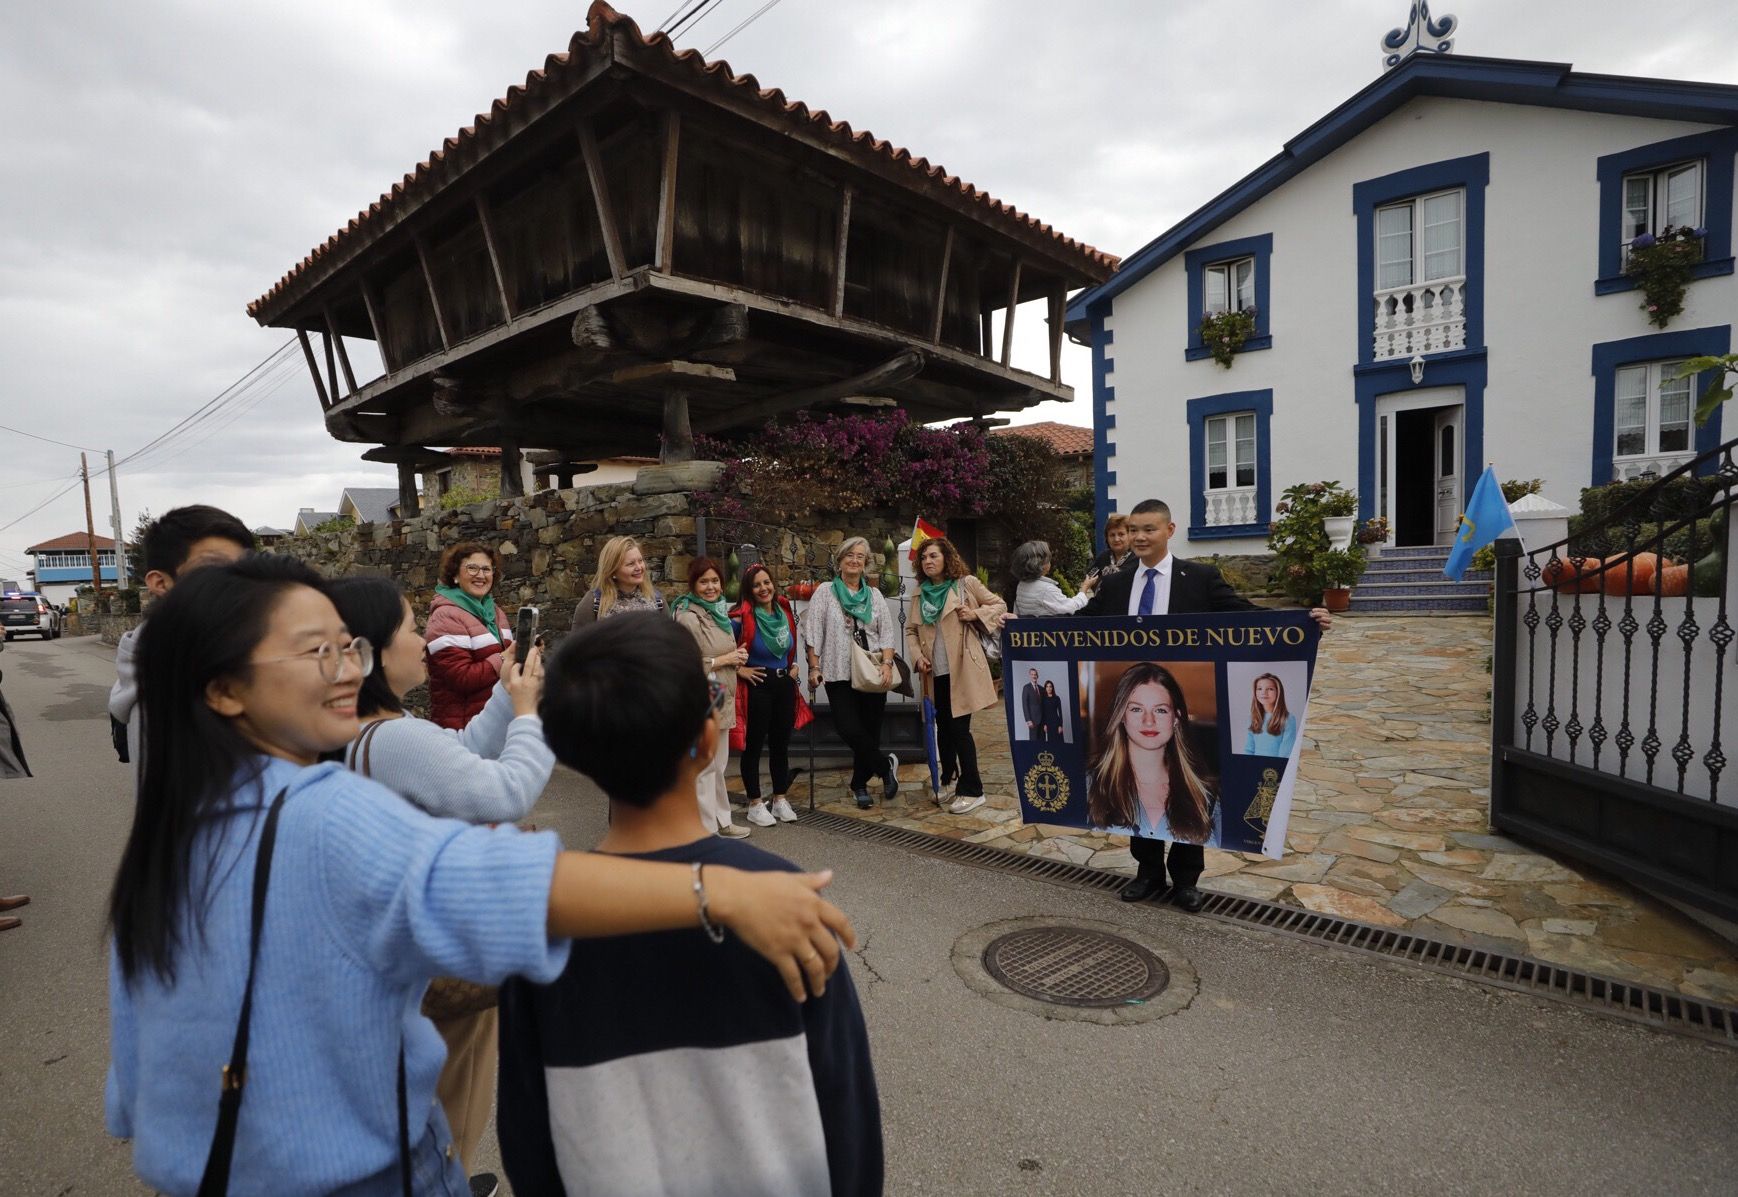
(678, 444)
(1008, 321)
(486, 219)
(600, 198)
(512, 470)
(1058, 302)
(839, 262)
(986, 335)
(434, 297)
(664, 251)
(941, 288)
(331, 363)
(313, 368)
(409, 501)
(343, 354)
(378, 324)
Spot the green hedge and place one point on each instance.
(1679, 499)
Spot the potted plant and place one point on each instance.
(1223, 333)
(1373, 533)
(1339, 508)
(1662, 266)
(1336, 570)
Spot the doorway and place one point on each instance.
(1420, 464)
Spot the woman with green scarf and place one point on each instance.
(465, 635)
(768, 707)
(704, 614)
(841, 612)
(942, 631)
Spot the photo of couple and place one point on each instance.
(1043, 704)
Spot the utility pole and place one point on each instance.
(115, 520)
(90, 527)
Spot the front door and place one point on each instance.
(1446, 452)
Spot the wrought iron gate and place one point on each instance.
(1610, 713)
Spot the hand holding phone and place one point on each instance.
(524, 632)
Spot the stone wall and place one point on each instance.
(549, 541)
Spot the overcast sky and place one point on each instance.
(166, 161)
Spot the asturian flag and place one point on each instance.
(922, 531)
(1487, 517)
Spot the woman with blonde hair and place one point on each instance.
(1272, 728)
(1147, 778)
(941, 629)
(838, 615)
(622, 583)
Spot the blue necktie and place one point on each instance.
(1148, 591)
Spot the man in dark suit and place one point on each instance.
(1160, 584)
(1032, 706)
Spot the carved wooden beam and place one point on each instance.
(343, 354)
(600, 196)
(378, 325)
(486, 219)
(1058, 302)
(839, 255)
(1008, 320)
(941, 288)
(434, 296)
(664, 252)
(314, 369)
(902, 366)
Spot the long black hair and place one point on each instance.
(205, 629)
(371, 607)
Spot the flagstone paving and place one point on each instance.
(1389, 821)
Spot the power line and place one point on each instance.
(680, 10)
(755, 16)
(688, 24)
(67, 489)
(49, 439)
(206, 409)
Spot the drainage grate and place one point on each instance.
(1659, 1008)
(1071, 966)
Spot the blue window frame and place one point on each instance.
(1472, 174)
(1201, 410)
(1715, 150)
(1196, 262)
(1611, 356)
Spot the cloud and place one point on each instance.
(168, 162)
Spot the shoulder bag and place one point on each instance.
(215, 1180)
(989, 639)
(446, 998)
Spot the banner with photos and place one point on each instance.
(1175, 727)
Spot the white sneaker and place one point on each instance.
(759, 815)
(782, 808)
(962, 806)
(732, 831)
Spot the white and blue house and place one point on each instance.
(1436, 271)
(63, 564)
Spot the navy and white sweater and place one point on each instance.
(666, 1064)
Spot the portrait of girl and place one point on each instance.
(1147, 775)
(1277, 693)
(1272, 728)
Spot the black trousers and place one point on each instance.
(772, 714)
(1187, 860)
(857, 719)
(954, 743)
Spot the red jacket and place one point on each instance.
(461, 666)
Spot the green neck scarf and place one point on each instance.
(773, 628)
(859, 606)
(719, 610)
(933, 598)
(483, 608)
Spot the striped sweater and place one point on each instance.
(666, 1064)
(461, 661)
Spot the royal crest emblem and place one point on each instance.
(1261, 806)
(1046, 786)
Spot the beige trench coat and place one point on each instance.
(714, 641)
(971, 686)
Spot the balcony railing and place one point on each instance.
(1228, 507)
(1421, 318)
(1624, 469)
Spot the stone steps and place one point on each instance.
(1409, 581)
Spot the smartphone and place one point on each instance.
(524, 632)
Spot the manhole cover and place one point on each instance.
(1084, 970)
(1072, 966)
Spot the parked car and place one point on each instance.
(23, 613)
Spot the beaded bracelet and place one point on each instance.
(713, 931)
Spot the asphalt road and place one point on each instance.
(1296, 1069)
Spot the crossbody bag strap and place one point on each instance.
(215, 1181)
(361, 749)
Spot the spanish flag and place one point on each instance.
(922, 531)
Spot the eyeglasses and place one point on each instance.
(479, 571)
(329, 657)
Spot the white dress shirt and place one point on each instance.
(1161, 586)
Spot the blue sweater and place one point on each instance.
(689, 1073)
(369, 898)
(1264, 743)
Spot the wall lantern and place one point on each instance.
(1417, 364)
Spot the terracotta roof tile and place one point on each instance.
(73, 541)
(1069, 440)
(489, 129)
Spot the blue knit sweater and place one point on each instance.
(369, 898)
